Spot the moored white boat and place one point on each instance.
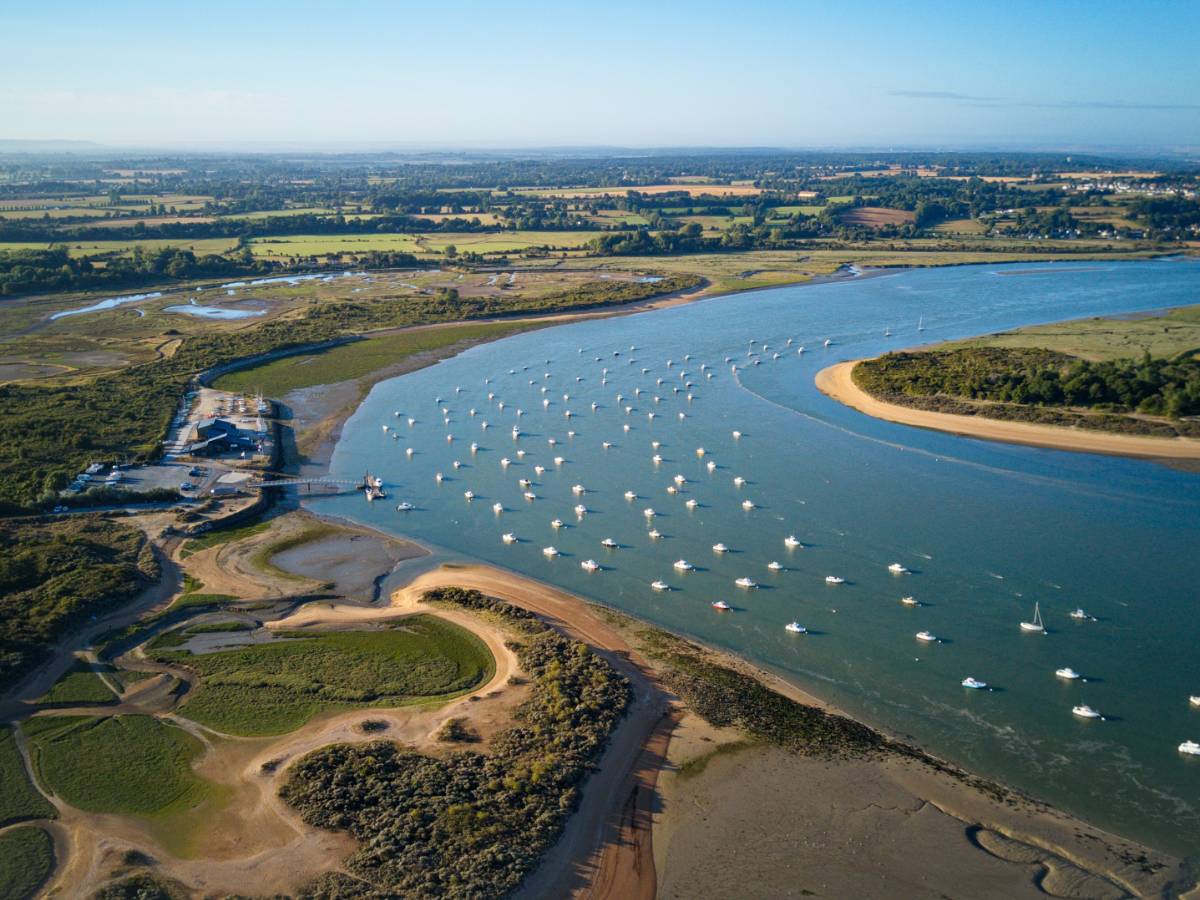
(405, 506)
(470, 495)
(683, 565)
(590, 565)
(898, 569)
(834, 579)
(791, 542)
(775, 566)
(927, 636)
(747, 504)
(795, 628)
(1036, 626)
(556, 523)
(720, 604)
(1067, 672)
(1086, 712)
(910, 601)
(720, 548)
(1191, 748)
(550, 551)
(654, 534)
(508, 537)
(609, 543)
(660, 585)
(746, 583)
(973, 683)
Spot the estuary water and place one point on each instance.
(986, 529)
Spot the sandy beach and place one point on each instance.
(837, 382)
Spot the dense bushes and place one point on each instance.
(726, 697)
(1030, 377)
(55, 575)
(468, 824)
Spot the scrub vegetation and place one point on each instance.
(467, 824)
(1146, 396)
(56, 575)
(277, 686)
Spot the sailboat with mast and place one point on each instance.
(1036, 626)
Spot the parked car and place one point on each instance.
(187, 486)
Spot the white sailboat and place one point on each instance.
(1036, 625)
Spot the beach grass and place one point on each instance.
(135, 765)
(222, 536)
(275, 687)
(26, 859)
(19, 800)
(79, 686)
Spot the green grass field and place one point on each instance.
(26, 859)
(79, 686)
(136, 765)
(355, 359)
(426, 243)
(19, 800)
(276, 687)
(200, 246)
(1166, 335)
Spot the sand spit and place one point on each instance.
(836, 382)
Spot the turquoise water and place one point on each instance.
(987, 529)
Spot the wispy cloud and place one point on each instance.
(974, 100)
(941, 95)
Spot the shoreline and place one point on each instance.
(610, 842)
(836, 382)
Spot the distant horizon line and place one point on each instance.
(359, 147)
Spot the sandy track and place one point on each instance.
(837, 383)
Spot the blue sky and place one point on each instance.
(644, 74)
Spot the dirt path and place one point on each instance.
(837, 383)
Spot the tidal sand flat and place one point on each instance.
(983, 530)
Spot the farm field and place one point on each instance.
(354, 360)
(717, 190)
(424, 244)
(875, 216)
(275, 687)
(136, 765)
(200, 246)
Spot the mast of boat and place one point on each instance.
(1037, 615)
(921, 324)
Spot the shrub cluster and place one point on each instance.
(467, 824)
